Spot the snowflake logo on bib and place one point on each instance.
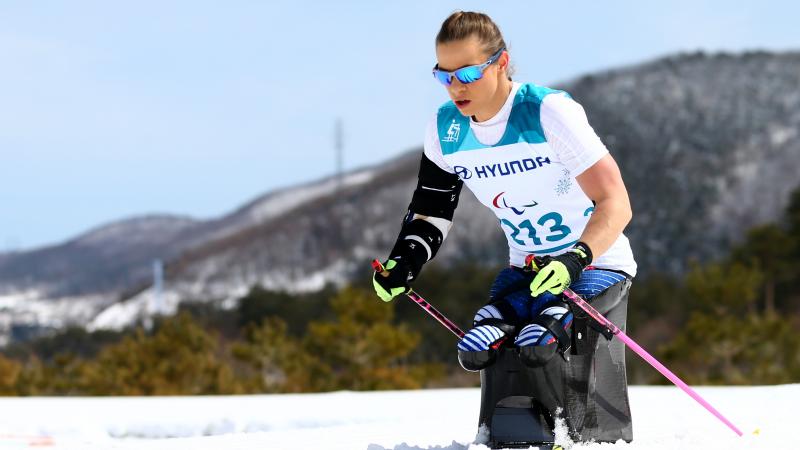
(564, 183)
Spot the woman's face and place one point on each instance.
(480, 97)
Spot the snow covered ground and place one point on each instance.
(664, 418)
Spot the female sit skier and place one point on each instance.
(529, 154)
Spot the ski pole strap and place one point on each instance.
(556, 328)
(575, 298)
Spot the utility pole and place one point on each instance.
(339, 148)
(338, 222)
(158, 286)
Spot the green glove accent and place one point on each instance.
(554, 277)
(393, 292)
(556, 273)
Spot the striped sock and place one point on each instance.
(535, 334)
(480, 338)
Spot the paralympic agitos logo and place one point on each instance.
(501, 169)
(499, 202)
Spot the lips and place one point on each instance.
(463, 103)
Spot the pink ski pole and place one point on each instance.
(575, 298)
(427, 307)
(431, 310)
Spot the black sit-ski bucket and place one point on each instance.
(586, 390)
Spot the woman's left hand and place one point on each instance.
(557, 273)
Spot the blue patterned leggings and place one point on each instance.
(591, 283)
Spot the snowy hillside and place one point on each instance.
(663, 417)
(81, 280)
(721, 150)
(689, 146)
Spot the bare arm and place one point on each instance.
(602, 183)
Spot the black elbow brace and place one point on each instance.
(437, 191)
(436, 195)
(417, 243)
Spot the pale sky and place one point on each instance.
(115, 109)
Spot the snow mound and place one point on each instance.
(445, 419)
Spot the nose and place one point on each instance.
(456, 87)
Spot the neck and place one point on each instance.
(498, 100)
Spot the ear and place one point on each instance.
(503, 61)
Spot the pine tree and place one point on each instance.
(361, 349)
(731, 349)
(771, 249)
(280, 362)
(723, 288)
(10, 371)
(180, 358)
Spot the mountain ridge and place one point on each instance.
(707, 143)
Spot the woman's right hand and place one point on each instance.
(392, 280)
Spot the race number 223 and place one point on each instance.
(552, 222)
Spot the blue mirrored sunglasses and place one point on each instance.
(467, 74)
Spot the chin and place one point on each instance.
(468, 111)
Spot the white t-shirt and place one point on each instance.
(525, 173)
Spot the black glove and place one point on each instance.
(556, 273)
(394, 279)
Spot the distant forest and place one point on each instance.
(732, 321)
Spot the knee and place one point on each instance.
(486, 312)
(548, 333)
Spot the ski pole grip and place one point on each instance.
(529, 264)
(533, 263)
(377, 266)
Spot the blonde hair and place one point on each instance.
(465, 24)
